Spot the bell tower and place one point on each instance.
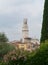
(25, 29)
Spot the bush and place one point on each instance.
(41, 57)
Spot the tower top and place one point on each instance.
(25, 25)
(25, 21)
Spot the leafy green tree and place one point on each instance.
(41, 56)
(5, 47)
(44, 32)
(3, 38)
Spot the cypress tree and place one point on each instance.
(44, 31)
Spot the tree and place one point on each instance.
(44, 32)
(4, 46)
(3, 38)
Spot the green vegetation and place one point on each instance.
(40, 57)
(4, 46)
(3, 38)
(44, 32)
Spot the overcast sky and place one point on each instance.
(12, 14)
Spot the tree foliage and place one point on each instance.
(44, 32)
(39, 58)
(3, 38)
(5, 47)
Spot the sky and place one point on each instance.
(12, 14)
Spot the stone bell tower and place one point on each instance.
(25, 29)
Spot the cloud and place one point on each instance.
(12, 13)
(7, 6)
